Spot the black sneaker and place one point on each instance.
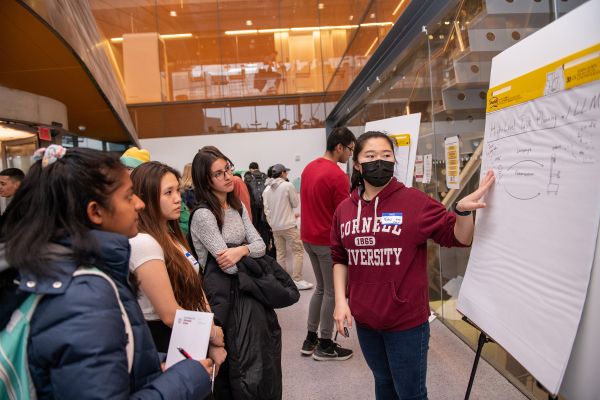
(334, 352)
(308, 347)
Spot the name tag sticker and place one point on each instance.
(391, 218)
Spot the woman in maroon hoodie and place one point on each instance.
(378, 245)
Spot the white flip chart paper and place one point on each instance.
(534, 245)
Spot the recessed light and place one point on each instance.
(173, 13)
(321, 6)
(372, 15)
(248, 22)
(351, 17)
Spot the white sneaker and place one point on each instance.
(303, 285)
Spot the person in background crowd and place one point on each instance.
(269, 176)
(187, 187)
(388, 290)
(280, 199)
(10, 180)
(324, 186)
(133, 157)
(256, 183)
(241, 191)
(160, 258)
(75, 210)
(187, 198)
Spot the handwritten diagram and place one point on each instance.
(535, 147)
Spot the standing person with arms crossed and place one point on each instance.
(379, 249)
(324, 186)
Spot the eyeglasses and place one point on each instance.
(229, 168)
(349, 148)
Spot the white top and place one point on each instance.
(279, 200)
(145, 248)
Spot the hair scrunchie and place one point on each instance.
(50, 154)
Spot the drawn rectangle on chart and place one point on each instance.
(533, 251)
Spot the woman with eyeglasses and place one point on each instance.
(222, 234)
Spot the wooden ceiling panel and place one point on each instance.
(35, 60)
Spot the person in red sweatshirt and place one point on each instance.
(378, 246)
(324, 186)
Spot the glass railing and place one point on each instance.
(169, 51)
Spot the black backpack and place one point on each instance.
(256, 182)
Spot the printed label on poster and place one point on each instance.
(452, 162)
(419, 168)
(427, 167)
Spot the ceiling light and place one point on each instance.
(173, 13)
(377, 24)
(372, 15)
(446, 22)
(176, 36)
(248, 22)
(7, 133)
(242, 32)
(371, 46)
(275, 30)
(304, 29)
(398, 7)
(170, 36)
(351, 17)
(321, 6)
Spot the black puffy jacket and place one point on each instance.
(244, 306)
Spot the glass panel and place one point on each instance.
(377, 22)
(457, 49)
(18, 155)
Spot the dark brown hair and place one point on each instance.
(356, 179)
(186, 283)
(202, 178)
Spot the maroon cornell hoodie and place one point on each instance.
(384, 244)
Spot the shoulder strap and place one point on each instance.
(128, 330)
(15, 378)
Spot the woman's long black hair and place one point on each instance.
(356, 179)
(51, 204)
(202, 175)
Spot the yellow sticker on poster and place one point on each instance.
(569, 72)
(452, 150)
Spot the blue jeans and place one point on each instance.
(398, 361)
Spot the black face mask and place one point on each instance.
(378, 172)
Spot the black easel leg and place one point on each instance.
(480, 343)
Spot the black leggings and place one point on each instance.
(161, 334)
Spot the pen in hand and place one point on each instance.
(212, 382)
(184, 353)
(187, 355)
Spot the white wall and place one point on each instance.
(292, 148)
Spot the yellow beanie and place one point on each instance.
(134, 157)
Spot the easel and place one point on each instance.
(483, 339)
